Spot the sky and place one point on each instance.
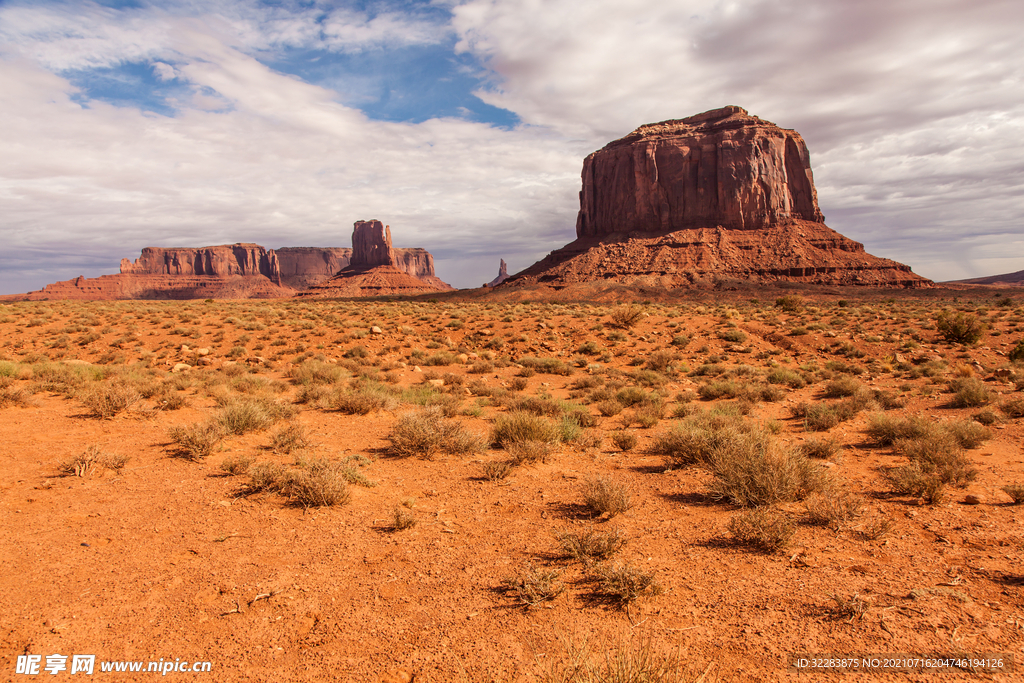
(463, 124)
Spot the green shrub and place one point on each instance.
(959, 327)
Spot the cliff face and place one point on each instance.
(718, 195)
(723, 167)
(220, 261)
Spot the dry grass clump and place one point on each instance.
(969, 392)
(90, 460)
(291, 437)
(629, 662)
(549, 366)
(591, 545)
(624, 583)
(764, 528)
(314, 372)
(833, 508)
(941, 455)
(14, 396)
(426, 433)
(820, 417)
(820, 449)
(1015, 492)
(196, 441)
(236, 465)
(959, 327)
(362, 398)
(790, 378)
(967, 433)
(791, 303)
(625, 316)
(316, 486)
(241, 415)
(108, 400)
(624, 441)
(496, 470)
(528, 452)
(849, 608)
(532, 586)
(520, 427)
(757, 471)
(402, 518)
(1011, 407)
(841, 387)
(603, 496)
(887, 429)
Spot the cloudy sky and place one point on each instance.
(463, 124)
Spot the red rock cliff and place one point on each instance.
(302, 267)
(371, 244)
(720, 168)
(221, 261)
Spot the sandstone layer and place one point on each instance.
(722, 194)
(374, 269)
(241, 271)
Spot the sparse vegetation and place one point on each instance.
(763, 528)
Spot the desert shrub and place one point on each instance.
(792, 379)
(791, 303)
(696, 439)
(986, 417)
(519, 427)
(589, 348)
(624, 441)
(243, 415)
(733, 335)
(236, 465)
(1013, 407)
(841, 387)
(631, 396)
(290, 438)
(888, 400)
(660, 361)
(531, 586)
(940, 455)
(315, 372)
(763, 528)
(818, 417)
(914, 481)
(591, 545)
(14, 396)
(496, 470)
(959, 327)
(624, 583)
(851, 608)
(90, 460)
(196, 441)
(427, 433)
(528, 452)
(535, 405)
(603, 496)
(315, 487)
(820, 449)
(265, 477)
(966, 433)
(720, 389)
(361, 399)
(549, 366)
(628, 662)
(680, 341)
(833, 508)
(609, 407)
(517, 383)
(107, 400)
(64, 379)
(886, 429)
(969, 392)
(625, 316)
(402, 518)
(1015, 492)
(1016, 355)
(755, 471)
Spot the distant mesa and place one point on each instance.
(375, 269)
(240, 271)
(502, 275)
(719, 195)
(1006, 279)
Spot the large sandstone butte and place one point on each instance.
(375, 269)
(228, 271)
(717, 196)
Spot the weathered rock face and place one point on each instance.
(161, 287)
(371, 244)
(377, 270)
(723, 167)
(720, 195)
(502, 275)
(220, 261)
(303, 267)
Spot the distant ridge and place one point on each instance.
(1010, 279)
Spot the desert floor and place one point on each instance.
(122, 538)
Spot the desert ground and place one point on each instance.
(447, 490)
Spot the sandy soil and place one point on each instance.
(168, 558)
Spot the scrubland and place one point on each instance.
(444, 491)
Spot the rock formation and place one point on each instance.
(718, 195)
(238, 271)
(374, 269)
(1006, 279)
(502, 275)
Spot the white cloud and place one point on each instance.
(911, 110)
